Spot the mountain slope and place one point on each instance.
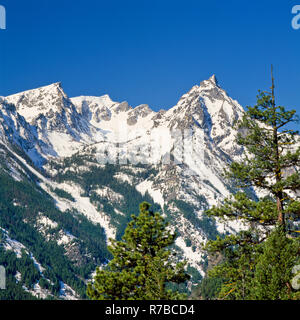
(95, 160)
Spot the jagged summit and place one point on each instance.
(56, 86)
(31, 103)
(211, 82)
(214, 80)
(49, 108)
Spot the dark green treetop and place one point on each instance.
(142, 263)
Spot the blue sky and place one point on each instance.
(151, 51)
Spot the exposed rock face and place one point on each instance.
(183, 152)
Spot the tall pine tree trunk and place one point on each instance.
(278, 170)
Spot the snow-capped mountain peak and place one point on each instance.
(32, 103)
(214, 80)
(62, 124)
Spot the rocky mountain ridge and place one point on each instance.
(99, 158)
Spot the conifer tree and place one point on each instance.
(142, 263)
(270, 165)
(273, 271)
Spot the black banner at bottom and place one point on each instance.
(188, 309)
